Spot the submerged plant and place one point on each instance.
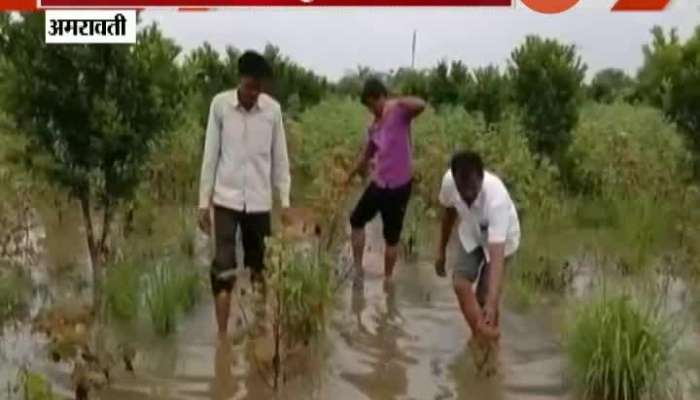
(190, 288)
(302, 287)
(13, 289)
(122, 290)
(172, 288)
(162, 298)
(620, 350)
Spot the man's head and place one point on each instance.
(468, 172)
(374, 95)
(253, 70)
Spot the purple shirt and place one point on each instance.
(389, 144)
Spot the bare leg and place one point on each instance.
(358, 249)
(223, 308)
(467, 303)
(391, 254)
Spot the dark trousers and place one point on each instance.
(255, 227)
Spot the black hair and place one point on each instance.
(374, 88)
(254, 65)
(467, 163)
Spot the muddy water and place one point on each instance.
(406, 340)
(401, 341)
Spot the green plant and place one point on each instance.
(620, 350)
(302, 288)
(643, 229)
(35, 386)
(13, 288)
(550, 242)
(163, 297)
(172, 288)
(190, 287)
(187, 232)
(123, 290)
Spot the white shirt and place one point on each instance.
(245, 155)
(493, 210)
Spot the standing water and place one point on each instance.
(404, 340)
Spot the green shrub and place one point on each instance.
(625, 150)
(338, 124)
(619, 350)
(123, 290)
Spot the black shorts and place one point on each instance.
(391, 205)
(255, 227)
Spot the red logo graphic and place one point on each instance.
(640, 5)
(559, 6)
(550, 6)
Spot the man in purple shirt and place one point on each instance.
(388, 153)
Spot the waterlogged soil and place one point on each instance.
(406, 340)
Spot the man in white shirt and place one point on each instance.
(489, 234)
(245, 156)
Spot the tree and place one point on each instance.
(684, 100)
(206, 74)
(547, 78)
(662, 61)
(611, 84)
(410, 82)
(352, 82)
(489, 94)
(670, 79)
(290, 79)
(93, 110)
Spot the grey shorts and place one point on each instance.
(473, 267)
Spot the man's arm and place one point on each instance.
(412, 104)
(362, 162)
(449, 216)
(493, 297)
(280, 162)
(210, 160)
(497, 234)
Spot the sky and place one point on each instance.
(332, 41)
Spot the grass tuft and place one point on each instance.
(620, 350)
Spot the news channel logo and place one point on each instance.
(91, 26)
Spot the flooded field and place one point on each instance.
(405, 340)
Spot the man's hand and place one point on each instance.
(440, 266)
(204, 220)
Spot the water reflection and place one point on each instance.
(224, 384)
